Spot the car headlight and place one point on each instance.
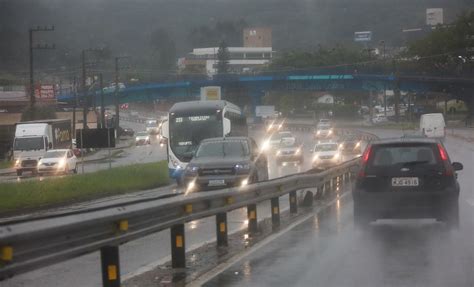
(298, 151)
(62, 163)
(192, 169)
(270, 127)
(147, 138)
(40, 163)
(242, 167)
(316, 157)
(17, 162)
(137, 139)
(357, 144)
(329, 132)
(318, 132)
(336, 156)
(278, 152)
(341, 145)
(265, 145)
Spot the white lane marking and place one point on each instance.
(233, 260)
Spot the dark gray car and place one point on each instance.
(225, 162)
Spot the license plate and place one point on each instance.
(216, 182)
(405, 181)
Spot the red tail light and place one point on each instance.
(365, 159)
(366, 155)
(444, 157)
(442, 153)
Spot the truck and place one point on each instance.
(34, 138)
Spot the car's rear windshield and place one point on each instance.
(403, 154)
(235, 148)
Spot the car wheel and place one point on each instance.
(362, 218)
(19, 172)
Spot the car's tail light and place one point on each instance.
(365, 158)
(444, 157)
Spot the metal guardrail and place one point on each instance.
(35, 244)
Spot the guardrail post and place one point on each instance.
(275, 203)
(178, 250)
(221, 229)
(252, 218)
(293, 205)
(109, 257)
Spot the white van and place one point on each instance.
(432, 125)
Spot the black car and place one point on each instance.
(126, 132)
(406, 178)
(225, 162)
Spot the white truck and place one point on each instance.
(34, 138)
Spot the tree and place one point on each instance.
(445, 49)
(164, 50)
(230, 32)
(223, 59)
(336, 57)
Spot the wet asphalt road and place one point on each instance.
(148, 252)
(328, 251)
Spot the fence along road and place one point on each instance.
(34, 244)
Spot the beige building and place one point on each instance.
(257, 37)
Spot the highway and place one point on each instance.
(144, 254)
(327, 250)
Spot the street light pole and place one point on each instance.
(84, 91)
(117, 99)
(31, 61)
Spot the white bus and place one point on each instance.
(190, 122)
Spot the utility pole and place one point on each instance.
(83, 87)
(102, 108)
(117, 100)
(74, 90)
(37, 47)
(84, 91)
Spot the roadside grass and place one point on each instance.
(398, 126)
(5, 164)
(35, 195)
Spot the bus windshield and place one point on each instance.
(186, 132)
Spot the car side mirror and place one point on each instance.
(457, 166)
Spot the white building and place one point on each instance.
(241, 59)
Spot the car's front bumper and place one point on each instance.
(325, 163)
(205, 182)
(289, 158)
